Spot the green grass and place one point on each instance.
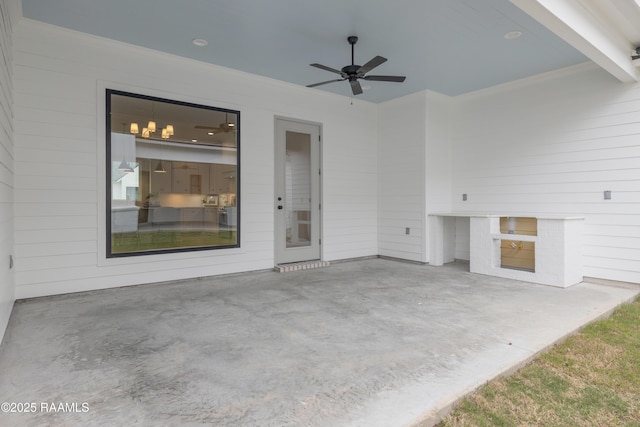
(169, 239)
(590, 379)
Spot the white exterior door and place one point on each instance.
(297, 192)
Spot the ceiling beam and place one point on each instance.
(579, 24)
(623, 15)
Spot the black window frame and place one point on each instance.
(108, 187)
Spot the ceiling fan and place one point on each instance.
(354, 72)
(227, 126)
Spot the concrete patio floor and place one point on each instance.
(371, 342)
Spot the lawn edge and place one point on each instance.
(434, 416)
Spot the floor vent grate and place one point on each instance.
(297, 266)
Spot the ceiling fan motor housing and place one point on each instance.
(350, 70)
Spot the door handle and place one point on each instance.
(279, 206)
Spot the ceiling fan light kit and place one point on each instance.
(354, 72)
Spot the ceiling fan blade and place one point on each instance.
(371, 65)
(324, 67)
(355, 87)
(324, 83)
(398, 79)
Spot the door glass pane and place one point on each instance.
(298, 189)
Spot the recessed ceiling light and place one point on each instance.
(512, 35)
(366, 87)
(194, 140)
(199, 42)
(209, 133)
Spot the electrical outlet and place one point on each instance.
(406, 230)
(607, 194)
(464, 197)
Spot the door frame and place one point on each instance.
(296, 125)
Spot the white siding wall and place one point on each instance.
(59, 111)
(415, 171)
(349, 186)
(402, 128)
(438, 158)
(552, 145)
(9, 15)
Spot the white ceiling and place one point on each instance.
(447, 46)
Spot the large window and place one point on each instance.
(172, 176)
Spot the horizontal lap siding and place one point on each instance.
(414, 171)
(9, 16)
(349, 190)
(402, 177)
(59, 149)
(56, 166)
(554, 146)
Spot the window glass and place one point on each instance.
(173, 175)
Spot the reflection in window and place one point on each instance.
(173, 176)
(298, 189)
